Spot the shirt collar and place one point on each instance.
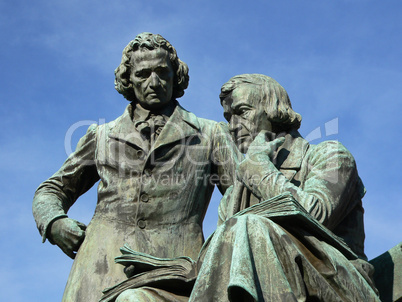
(140, 114)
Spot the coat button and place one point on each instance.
(144, 197)
(141, 223)
(140, 154)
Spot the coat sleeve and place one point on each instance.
(225, 157)
(78, 174)
(330, 183)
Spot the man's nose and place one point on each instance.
(154, 80)
(234, 123)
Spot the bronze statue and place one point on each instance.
(157, 165)
(252, 257)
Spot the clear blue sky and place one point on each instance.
(338, 59)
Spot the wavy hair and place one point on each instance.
(277, 104)
(149, 41)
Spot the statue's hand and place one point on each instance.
(258, 161)
(260, 147)
(68, 234)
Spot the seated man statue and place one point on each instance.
(157, 165)
(252, 258)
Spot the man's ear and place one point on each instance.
(276, 127)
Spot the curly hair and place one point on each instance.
(149, 41)
(275, 98)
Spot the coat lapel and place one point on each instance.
(180, 125)
(290, 155)
(125, 132)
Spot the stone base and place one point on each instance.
(388, 274)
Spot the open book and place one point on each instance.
(179, 274)
(174, 274)
(285, 210)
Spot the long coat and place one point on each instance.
(252, 258)
(153, 200)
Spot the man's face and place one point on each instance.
(245, 113)
(152, 78)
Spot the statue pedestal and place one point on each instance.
(388, 274)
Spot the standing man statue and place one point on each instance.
(252, 258)
(157, 165)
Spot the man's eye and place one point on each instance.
(244, 111)
(162, 71)
(142, 74)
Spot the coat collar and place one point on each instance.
(290, 155)
(181, 124)
(124, 129)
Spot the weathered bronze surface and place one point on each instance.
(388, 274)
(157, 165)
(252, 258)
